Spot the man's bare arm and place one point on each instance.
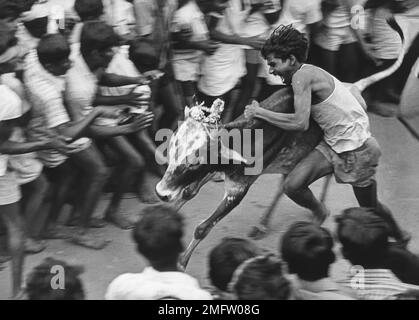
(300, 119)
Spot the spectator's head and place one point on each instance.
(364, 237)
(158, 235)
(217, 6)
(143, 54)
(260, 278)
(10, 11)
(226, 257)
(11, 54)
(308, 251)
(285, 50)
(97, 44)
(53, 53)
(55, 280)
(89, 10)
(36, 20)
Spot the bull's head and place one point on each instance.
(195, 152)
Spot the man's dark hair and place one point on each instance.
(39, 282)
(144, 55)
(89, 9)
(262, 279)
(12, 8)
(7, 37)
(158, 234)
(226, 257)
(308, 251)
(53, 48)
(37, 27)
(97, 35)
(364, 236)
(284, 42)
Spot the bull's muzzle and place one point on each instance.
(163, 193)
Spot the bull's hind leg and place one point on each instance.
(235, 192)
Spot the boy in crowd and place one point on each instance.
(38, 284)
(308, 251)
(261, 278)
(348, 149)
(222, 71)
(45, 88)
(97, 47)
(188, 53)
(11, 56)
(224, 259)
(158, 237)
(365, 244)
(153, 19)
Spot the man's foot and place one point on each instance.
(56, 233)
(120, 221)
(34, 246)
(88, 241)
(94, 223)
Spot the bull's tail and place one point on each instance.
(366, 82)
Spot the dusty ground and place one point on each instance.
(398, 188)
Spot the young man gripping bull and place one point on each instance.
(348, 150)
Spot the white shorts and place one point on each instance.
(332, 38)
(186, 70)
(9, 189)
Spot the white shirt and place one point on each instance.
(154, 285)
(222, 70)
(45, 92)
(81, 86)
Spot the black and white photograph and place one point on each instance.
(209, 150)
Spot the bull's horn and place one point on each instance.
(366, 82)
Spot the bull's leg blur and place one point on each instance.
(258, 232)
(307, 171)
(235, 192)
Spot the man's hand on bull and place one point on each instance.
(140, 122)
(252, 110)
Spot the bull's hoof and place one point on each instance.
(258, 232)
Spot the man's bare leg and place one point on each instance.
(297, 183)
(16, 239)
(367, 197)
(95, 174)
(131, 165)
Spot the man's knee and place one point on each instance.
(291, 187)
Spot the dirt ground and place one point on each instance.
(398, 188)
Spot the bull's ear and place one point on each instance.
(187, 112)
(231, 154)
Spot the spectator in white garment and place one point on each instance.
(158, 237)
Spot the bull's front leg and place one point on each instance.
(235, 192)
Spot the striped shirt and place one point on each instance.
(376, 284)
(45, 92)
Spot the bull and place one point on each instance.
(282, 150)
